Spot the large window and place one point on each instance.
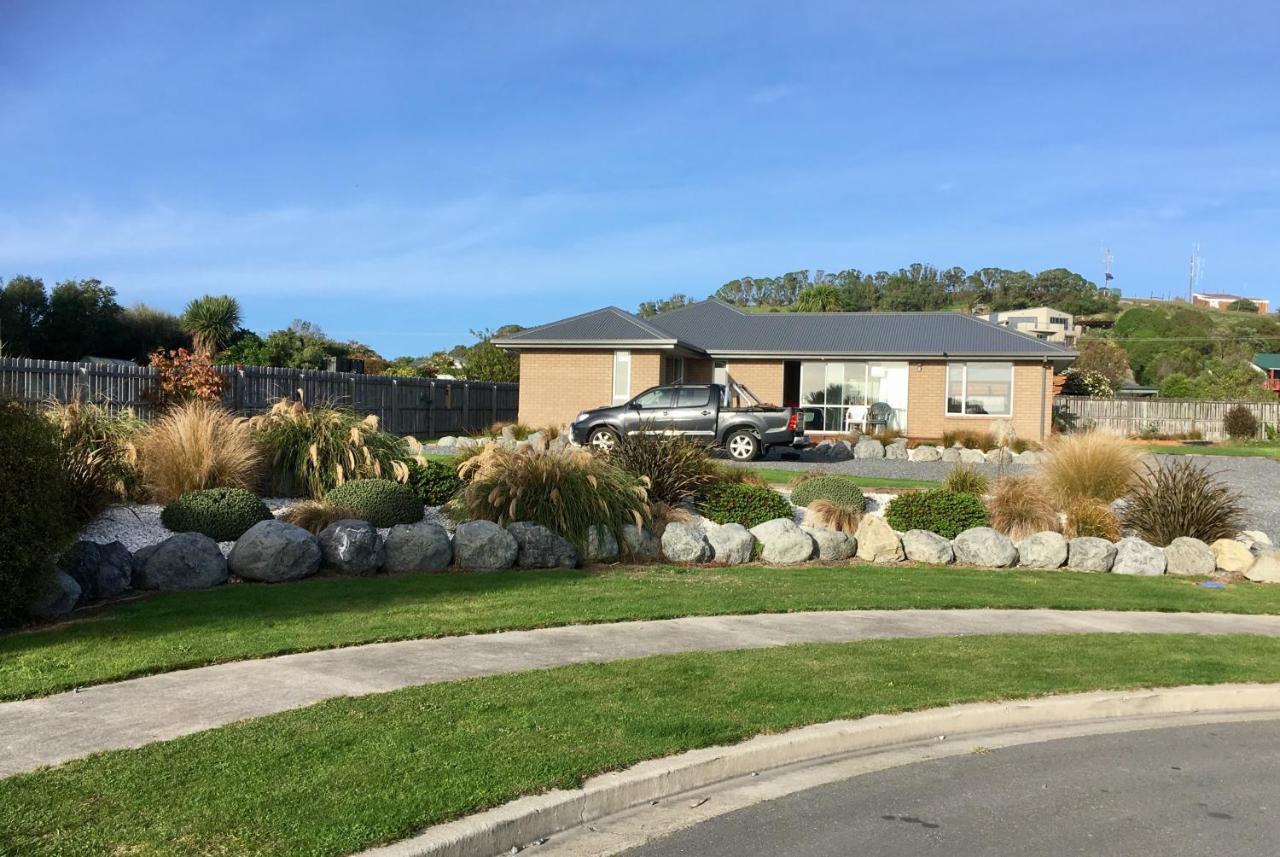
(839, 393)
(984, 389)
(621, 377)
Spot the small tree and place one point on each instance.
(1242, 305)
(1106, 358)
(1087, 383)
(182, 377)
(211, 321)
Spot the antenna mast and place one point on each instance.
(1106, 264)
(1195, 269)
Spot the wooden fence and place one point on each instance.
(1166, 416)
(424, 407)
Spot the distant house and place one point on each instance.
(1043, 322)
(938, 371)
(1222, 300)
(1269, 365)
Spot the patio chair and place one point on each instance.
(879, 416)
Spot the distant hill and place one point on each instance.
(1171, 337)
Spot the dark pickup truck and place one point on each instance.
(697, 411)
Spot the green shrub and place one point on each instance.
(35, 519)
(1240, 423)
(966, 479)
(222, 514)
(381, 502)
(675, 468)
(947, 513)
(312, 450)
(834, 487)
(749, 505)
(1180, 498)
(433, 481)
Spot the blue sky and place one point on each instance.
(402, 173)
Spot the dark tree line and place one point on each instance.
(916, 288)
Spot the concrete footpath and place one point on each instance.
(54, 729)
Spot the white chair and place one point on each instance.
(855, 415)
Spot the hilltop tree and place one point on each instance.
(820, 298)
(83, 319)
(651, 308)
(1242, 305)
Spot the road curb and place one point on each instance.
(529, 819)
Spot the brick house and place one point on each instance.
(939, 371)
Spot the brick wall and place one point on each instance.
(698, 371)
(762, 377)
(556, 385)
(926, 402)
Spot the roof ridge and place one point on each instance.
(638, 321)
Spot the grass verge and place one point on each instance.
(350, 773)
(1245, 450)
(178, 630)
(781, 476)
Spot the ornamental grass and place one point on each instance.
(312, 450)
(197, 445)
(1180, 498)
(569, 491)
(1090, 465)
(830, 515)
(675, 468)
(1021, 506)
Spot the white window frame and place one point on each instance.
(621, 396)
(964, 391)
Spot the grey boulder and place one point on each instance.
(782, 541)
(897, 451)
(57, 597)
(639, 544)
(950, 454)
(985, 547)
(1043, 550)
(868, 447)
(972, 456)
(924, 453)
(483, 546)
(602, 545)
(999, 456)
(683, 542)
(831, 545)
(1188, 557)
(275, 552)
(101, 570)
(1134, 556)
(181, 563)
(927, 547)
(419, 547)
(731, 544)
(1089, 553)
(352, 547)
(539, 547)
(1265, 569)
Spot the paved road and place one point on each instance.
(1177, 792)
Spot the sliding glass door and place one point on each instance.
(840, 392)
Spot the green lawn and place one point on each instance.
(350, 773)
(1257, 449)
(781, 476)
(176, 630)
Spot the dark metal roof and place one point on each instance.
(719, 329)
(603, 325)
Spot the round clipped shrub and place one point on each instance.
(381, 502)
(738, 503)
(433, 481)
(1240, 423)
(35, 521)
(947, 513)
(836, 488)
(222, 514)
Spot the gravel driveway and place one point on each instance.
(1257, 479)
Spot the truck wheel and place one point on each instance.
(742, 446)
(603, 440)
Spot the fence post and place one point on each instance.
(395, 406)
(493, 391)
(431, 408)
(466, 406)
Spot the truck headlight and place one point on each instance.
(582, 416)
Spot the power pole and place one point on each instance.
(1106, 264)
(1195, 268)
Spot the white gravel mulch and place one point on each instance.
(137, 525)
